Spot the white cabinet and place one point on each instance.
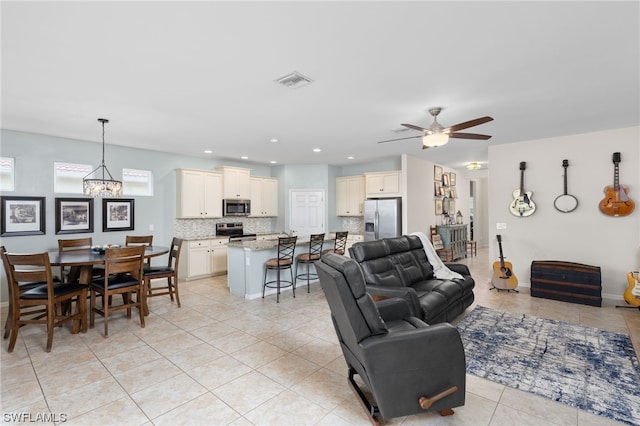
(264, 197)
(199, 194)
(236, 183)
(383, 184)
(205, 258)
(350, 196)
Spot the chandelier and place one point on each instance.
(101, 187)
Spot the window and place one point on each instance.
(67, 177)
(137, 182)
(7, 182)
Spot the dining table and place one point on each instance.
(81, 263)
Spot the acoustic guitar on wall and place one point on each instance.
(503, 277)
(522, 204)
(616, 201)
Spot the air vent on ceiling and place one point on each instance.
(294, 80)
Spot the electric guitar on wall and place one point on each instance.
(616, 201)
(522, 204)
(503, 277)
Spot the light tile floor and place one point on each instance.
(224, 360)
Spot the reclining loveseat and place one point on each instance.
(399, 267)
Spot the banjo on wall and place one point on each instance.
(565, 203)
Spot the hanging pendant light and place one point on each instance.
(109, 188)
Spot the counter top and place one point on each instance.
(269, 244)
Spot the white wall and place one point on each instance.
(584, 235)
(418, 199)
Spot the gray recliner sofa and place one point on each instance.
(409, 367)
(399, 267)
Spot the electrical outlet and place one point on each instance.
(501, 225)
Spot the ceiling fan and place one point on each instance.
(437, 135)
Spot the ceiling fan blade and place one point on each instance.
(469, 136)
(470, 123)
(418, 128)
(401, 139)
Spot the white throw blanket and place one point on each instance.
(440, 271)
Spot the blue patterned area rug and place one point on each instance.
(584, 367)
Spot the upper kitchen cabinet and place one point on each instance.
(350, 196)
(383, 184)
(199, 194)
(264, 197)
(236, 183)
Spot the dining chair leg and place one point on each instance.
(82, 305)
(7, 324)
(14, 331)
(264, 280)
(173, 283)
(50, 321)
(292, 280)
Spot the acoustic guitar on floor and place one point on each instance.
(503, 277)
(616, 201)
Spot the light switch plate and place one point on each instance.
(501, 225)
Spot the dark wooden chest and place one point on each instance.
(566, 281)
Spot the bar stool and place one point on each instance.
(310, 258)
(340, 244)
(286, 249)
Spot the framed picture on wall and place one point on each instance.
(437, 173)
(117, 214)
(445, 179)
(74, 215)
(437, 186)
(452, 179)
(445, 205)
(438, 206)
(22, 216)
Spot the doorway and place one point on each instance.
(307, 212)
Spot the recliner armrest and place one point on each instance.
(435, 347)
(407, 293)
(460, 268)
(395, 308)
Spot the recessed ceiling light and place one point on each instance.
(208, 151)
(351, 157)
(273, 162)
(317, 150)
(273, 140)
(244, 157)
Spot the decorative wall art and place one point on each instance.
(438, 206)
(23, 216)
(437, 173)
(74, 215)
(117, 214)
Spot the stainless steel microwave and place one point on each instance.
(236, 207)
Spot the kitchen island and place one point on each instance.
(245, 265)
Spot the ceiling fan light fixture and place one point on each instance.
(435, 139)
(473, 166)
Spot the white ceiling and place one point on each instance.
(184, 77)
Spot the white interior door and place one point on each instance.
(307, 212)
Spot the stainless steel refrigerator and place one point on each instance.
(382, 218)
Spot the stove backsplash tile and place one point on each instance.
(202, 228)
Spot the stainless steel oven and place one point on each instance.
(235, 232)
(236, 207)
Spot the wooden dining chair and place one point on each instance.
(68, 274)
(123, 275)
(140, 240)
(170, 272)
(38, 304)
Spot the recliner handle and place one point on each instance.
(426, 403)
